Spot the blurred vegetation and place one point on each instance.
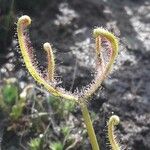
(61, 107)
(56, 146)
(45, 120)
(35, 144)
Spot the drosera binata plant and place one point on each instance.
(105, 42)
(12, 99)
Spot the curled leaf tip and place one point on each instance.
(25, 20)
(114, 120)
(51, 61)
(107, 34)
(98, 31)
(47, 46)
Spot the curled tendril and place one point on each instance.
(101, 36)
(113, 121)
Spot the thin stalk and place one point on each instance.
(89, 126)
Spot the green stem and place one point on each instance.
(89, 126)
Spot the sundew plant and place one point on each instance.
(103, 39)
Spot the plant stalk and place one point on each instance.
(89, 126)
